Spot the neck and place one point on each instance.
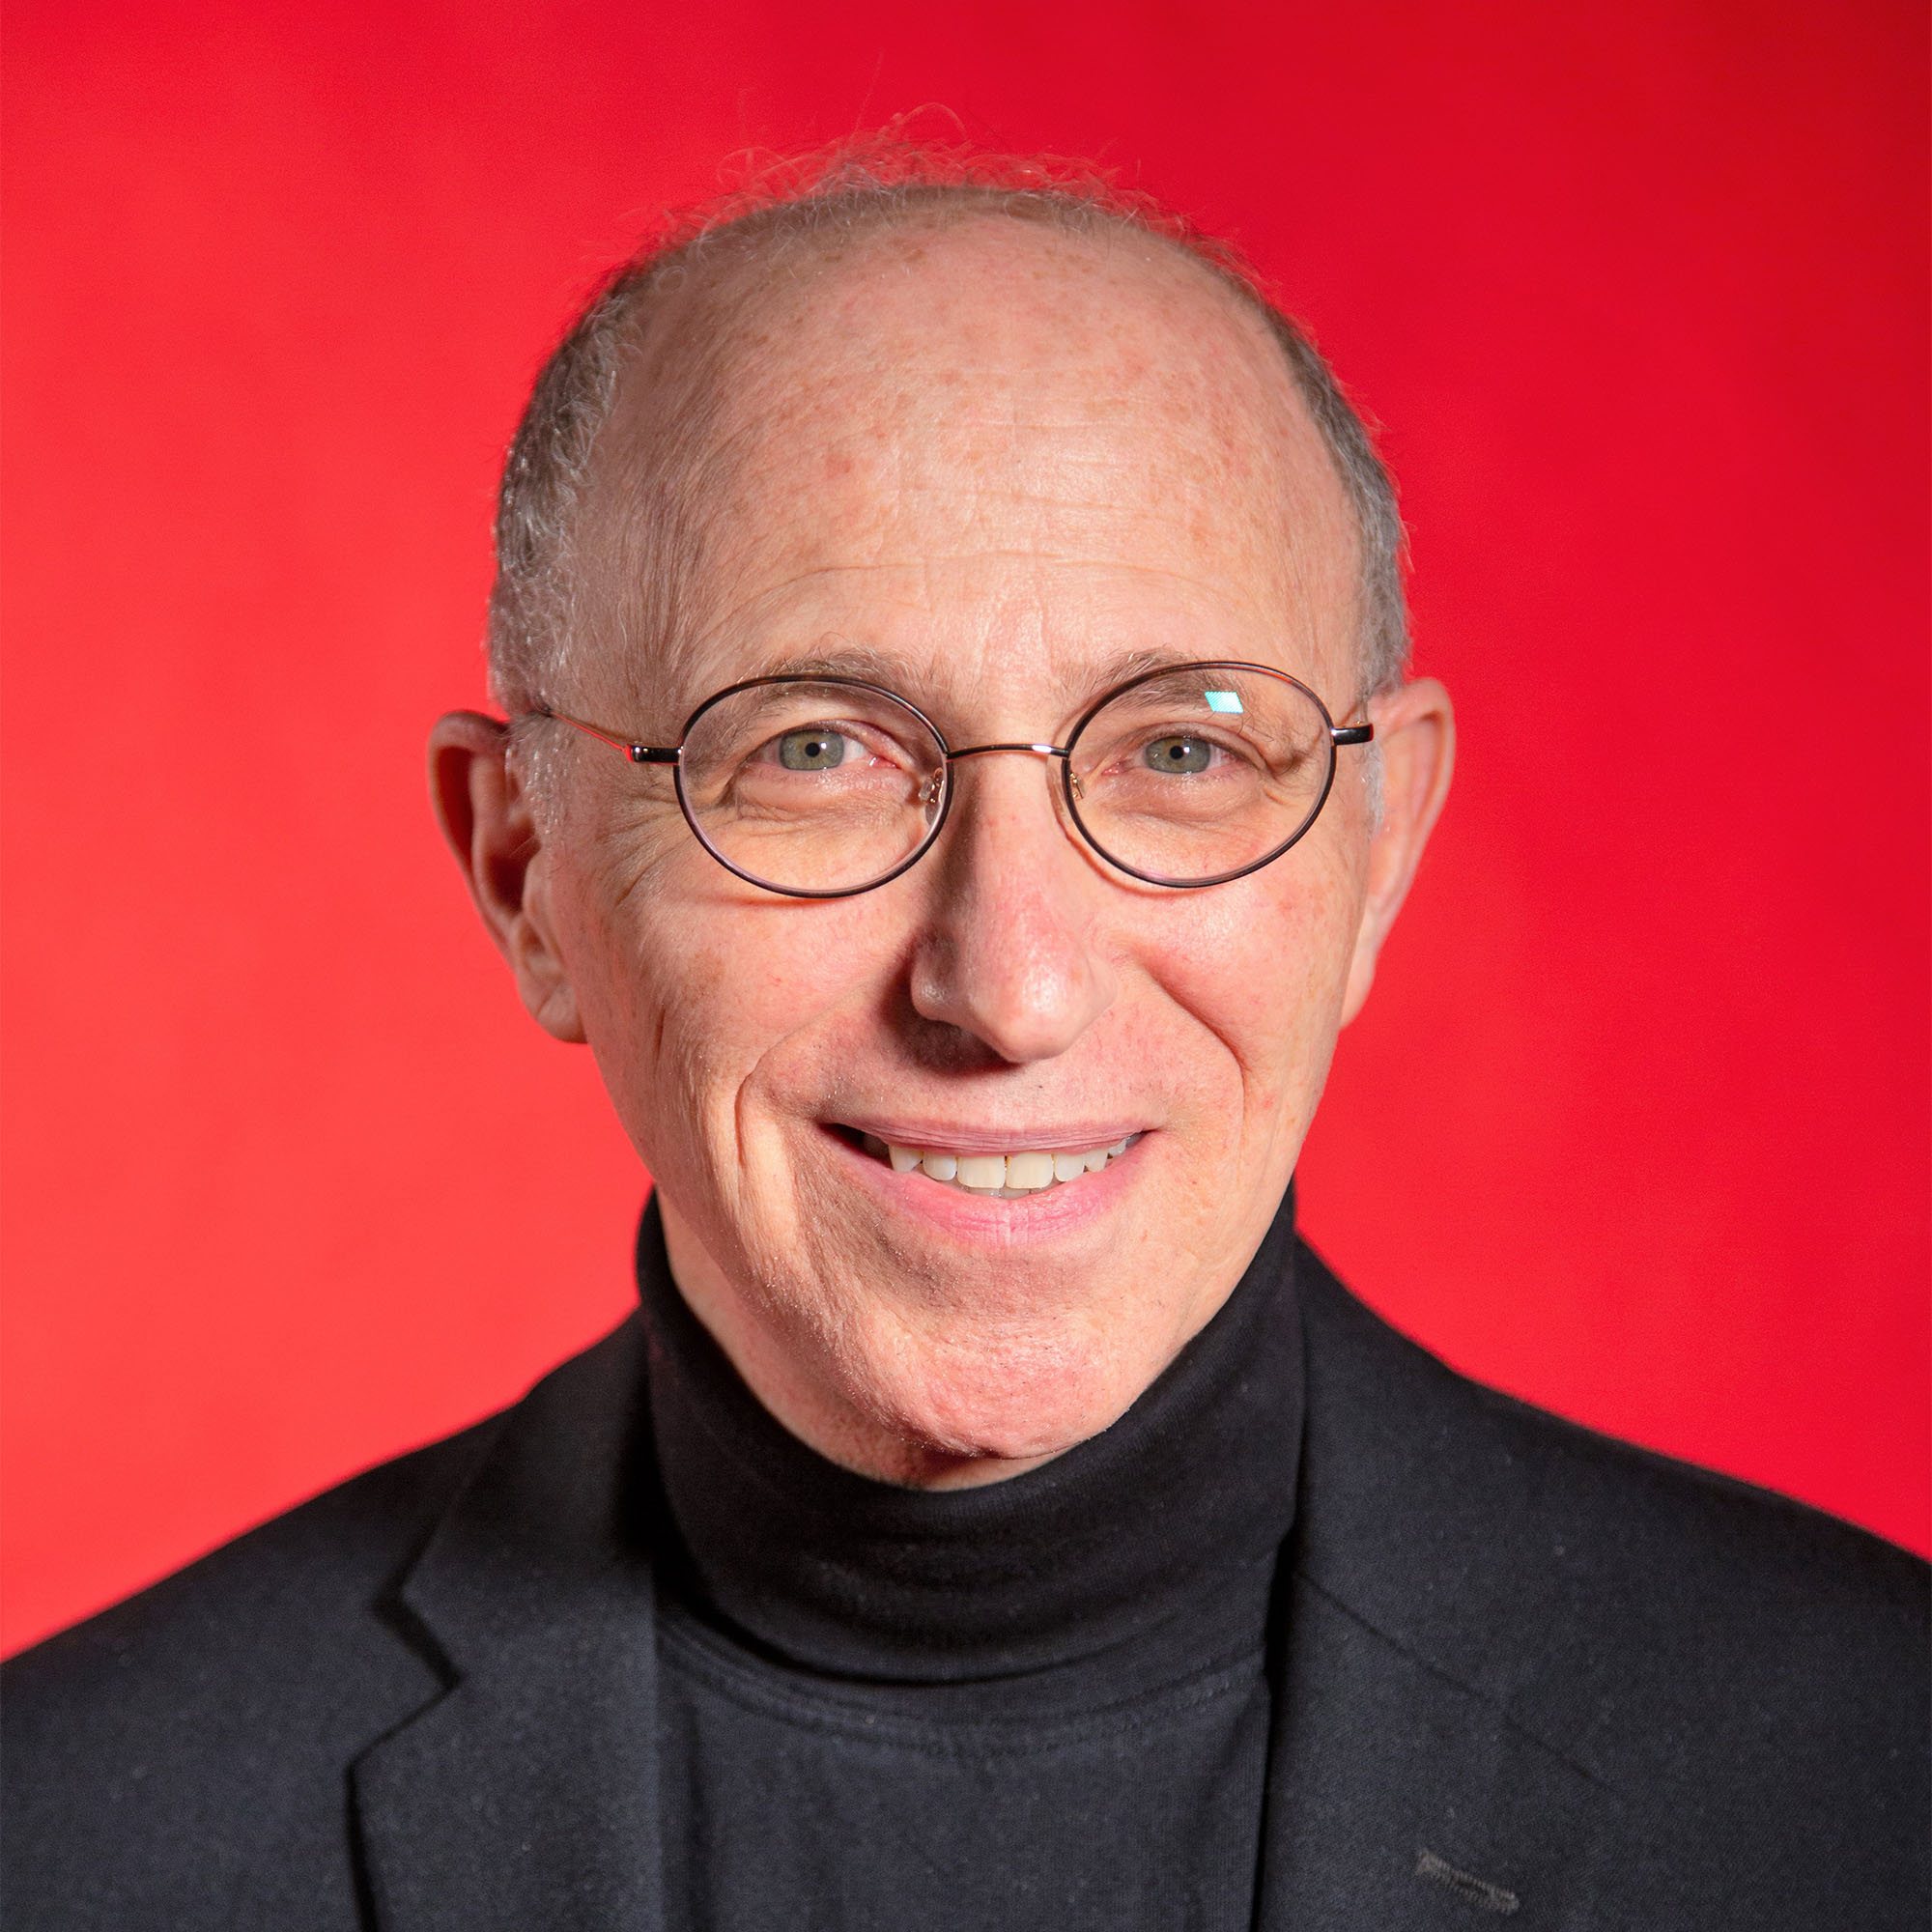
(1167, 1522)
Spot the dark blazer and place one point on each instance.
(1521, 1671)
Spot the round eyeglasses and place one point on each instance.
(819, 787)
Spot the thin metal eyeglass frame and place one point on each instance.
(673, 755)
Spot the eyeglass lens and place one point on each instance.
(1185, 777)
(1195, 775)
(812, 787)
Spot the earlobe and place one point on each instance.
(488, 821)
(1415, 728)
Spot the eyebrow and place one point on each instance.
(1078, 683)
(854, 661)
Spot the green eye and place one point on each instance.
(816, 750)
(1177, 754)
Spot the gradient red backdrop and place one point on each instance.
(1636, 1124)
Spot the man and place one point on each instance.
(959, 775)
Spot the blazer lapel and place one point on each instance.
(1407, 1787)
(1398, 1799)
(526, 1794)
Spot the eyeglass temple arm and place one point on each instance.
(1351, 734)
(639, 755)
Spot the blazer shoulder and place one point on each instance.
(1688, 1639)
(1501, 1473)
(276, 1626)
(191, 1743)
(155, 1752)
(307, 1566)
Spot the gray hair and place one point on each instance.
(537, 607)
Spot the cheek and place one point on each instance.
(1262, 963)
(690, 998)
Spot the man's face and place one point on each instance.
(991, 466)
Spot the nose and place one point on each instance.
(1009, 949)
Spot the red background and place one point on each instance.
(1636, 1124)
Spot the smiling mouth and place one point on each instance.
(1006, 1177)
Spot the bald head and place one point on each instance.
(852, 328)
(887, 404)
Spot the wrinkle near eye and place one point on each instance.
(624, 867)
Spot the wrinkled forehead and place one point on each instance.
(920, 448)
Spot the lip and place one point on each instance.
(1059, 1137)
(986, 1221)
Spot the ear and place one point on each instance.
(485, 816)
(1415, 727)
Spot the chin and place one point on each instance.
(999, 1409)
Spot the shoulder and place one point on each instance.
(192, 1742)
(1722, 1658)
(1475, 1470)
(166, 1741)
(257, 1605)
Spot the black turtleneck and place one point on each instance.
(1036, 1703)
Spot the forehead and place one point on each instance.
(986, 438)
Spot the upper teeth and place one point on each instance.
(1003, 1173)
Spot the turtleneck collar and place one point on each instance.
(1154, 1525)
